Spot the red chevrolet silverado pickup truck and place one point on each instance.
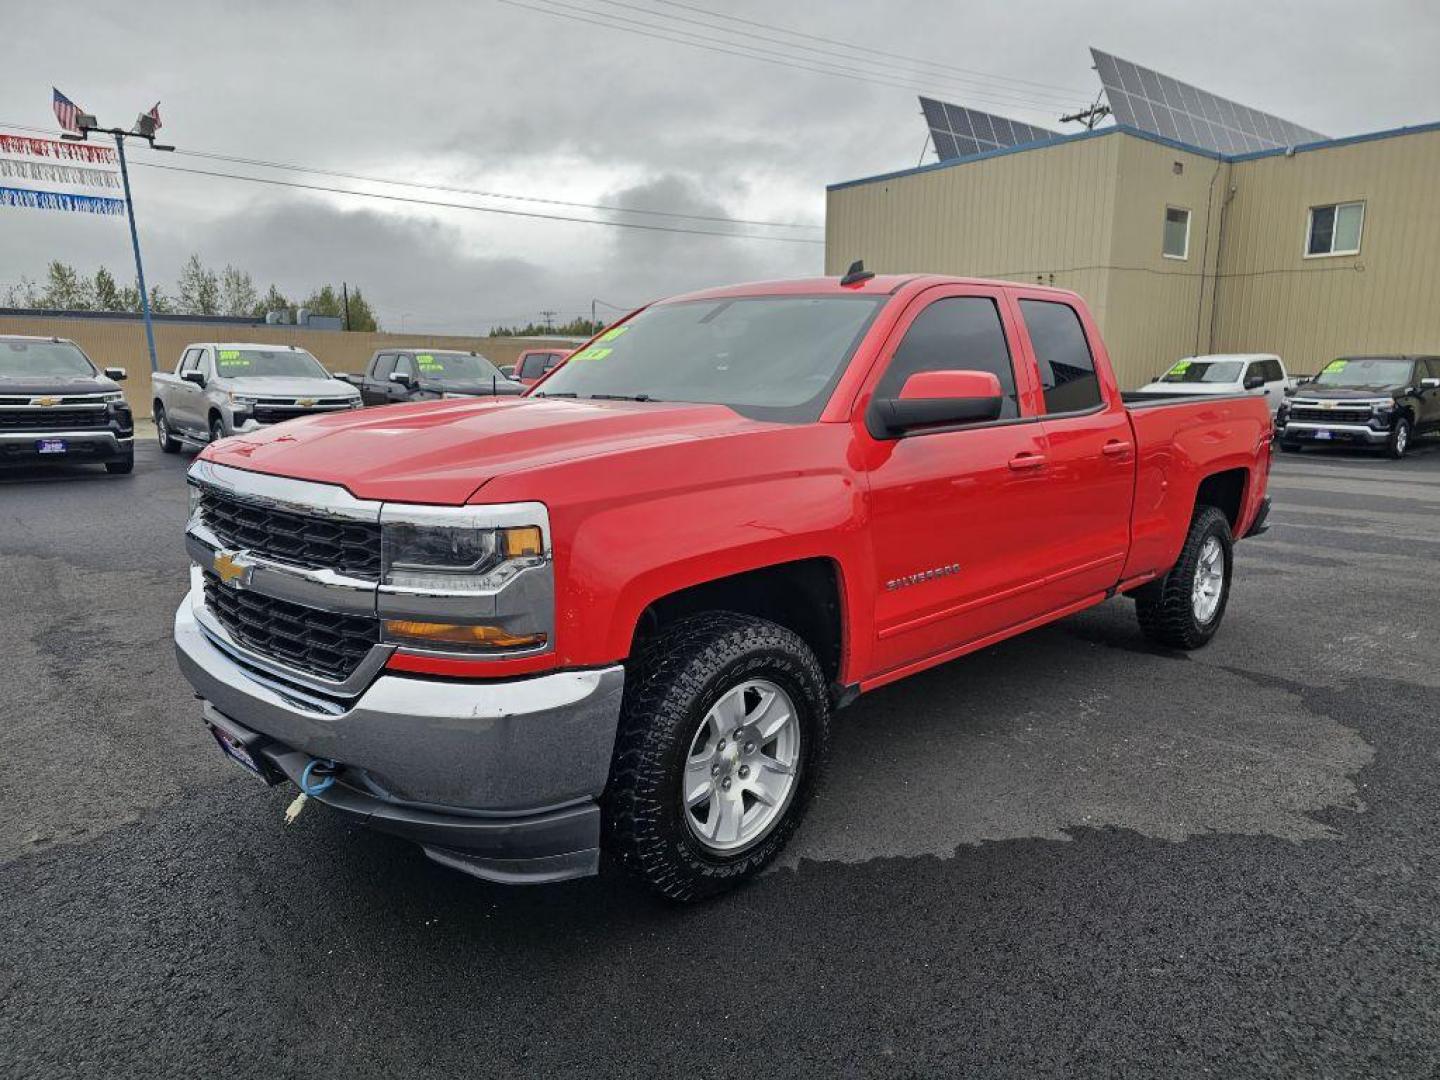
(618, 612)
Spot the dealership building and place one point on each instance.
(1316, 250)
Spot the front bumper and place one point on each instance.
(1309, 431)
(95, 445)
(499, 779)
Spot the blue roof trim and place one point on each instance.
(1148, 136)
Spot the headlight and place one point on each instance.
(354, 402)
(467, 579)
(244, 400)
(114, 397)
(194, 490)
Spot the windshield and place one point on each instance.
(268, 364)
(1203, 371)
(1365, 371)
(45, 360)
(456, 367)
(772, 358)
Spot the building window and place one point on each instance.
(1335, 229)
(1177, 233)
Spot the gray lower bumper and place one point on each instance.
(97, 442)
(1307, 430)
(474, 751)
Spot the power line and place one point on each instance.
(967, 83)
(477, 209)
(290, 167)
(764, 56)
(865, 48)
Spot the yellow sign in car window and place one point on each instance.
(611, 335)
(428, 362)
(593, 354)
(1334, 366)
(1180, 368)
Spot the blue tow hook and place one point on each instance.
(326, 770)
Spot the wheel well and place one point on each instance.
(1226, 492)
(803, 597)
(215, 415)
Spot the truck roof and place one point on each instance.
(243, 345)
(879, 285)
(35, 337)
(1234, 356)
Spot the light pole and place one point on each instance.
(144, 129)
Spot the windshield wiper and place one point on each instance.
(563, 393)
(622, 397)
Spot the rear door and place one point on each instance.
(1091, 474)
(1429, 410)
(958, 516)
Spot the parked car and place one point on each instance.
(1261, 374)
(220, 389)
(534, 364)
(1377, 401)
(619, 611)
(412, 375)
(56, 405)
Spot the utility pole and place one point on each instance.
(144, 128)
(345, 293)
(1089, 117)
(549, 317)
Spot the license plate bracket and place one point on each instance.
(243, 747)
(51, 446)
(1324, 435)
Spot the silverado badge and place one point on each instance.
(231, 569)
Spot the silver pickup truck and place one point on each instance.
(219, 389)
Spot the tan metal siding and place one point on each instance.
(121, 343)
(1386, 299)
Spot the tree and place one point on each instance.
(274, 300)
(65, 290)
(106, 295)
(237, 292)
(581, 327)
(23, 294)
(361, 316)
(325, 301)
(199, 289)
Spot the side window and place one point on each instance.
(1273, 371)
(204, 362)
(1067, 370)
(532, 365)
(553, 361)
(1432, 368)
(384, 365)
(956, 333)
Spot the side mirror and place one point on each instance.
(403, 378)
(1429, 384)
(115, 374)
(935, 399)
(196, 377)
(1254, 382)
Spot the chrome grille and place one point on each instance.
(313, 541)
(322, 643)
(57, 419)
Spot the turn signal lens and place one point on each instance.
(521, 543)
(482, 637)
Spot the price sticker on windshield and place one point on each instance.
(593, 354)
(428, 362)
(1334, 366)
(231, 358)
(611, 335)
(1180, 368)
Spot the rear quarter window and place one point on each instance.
(1067, 367)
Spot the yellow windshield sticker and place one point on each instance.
(428, 362)
(1334, 366)
(229, 354)
(611, 335)
(594, 354)
(1180, 368)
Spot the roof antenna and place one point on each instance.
(857, 273)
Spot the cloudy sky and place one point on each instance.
(579, 101)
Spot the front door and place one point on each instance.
(374, 389)
(958, 516)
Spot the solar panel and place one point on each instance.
(1156, 103)
(960, 132)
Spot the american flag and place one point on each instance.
(66, 111)
(154, 114)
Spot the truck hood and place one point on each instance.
(85, 384)
(1344, 393)
(290, 387)
(442, 452)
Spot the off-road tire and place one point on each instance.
(168, 443)
(670, 686)
(1165, 608)
(1397, 445)
(217, 429)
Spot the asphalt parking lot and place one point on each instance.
(1072, 853)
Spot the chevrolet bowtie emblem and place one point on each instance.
(231, 569)
(1327, 405)
(305, 402)
(47, 401)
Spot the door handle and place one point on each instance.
(1115, 449)
(1021, 462)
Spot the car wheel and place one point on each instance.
(121, 467)
(217, 429)
(723, 736)
(1399, 439)
(1184, 608)
(168, 443)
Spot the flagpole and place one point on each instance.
(135, 243)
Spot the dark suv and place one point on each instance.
(1380, 401)
(426, 374)
(57, 406)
